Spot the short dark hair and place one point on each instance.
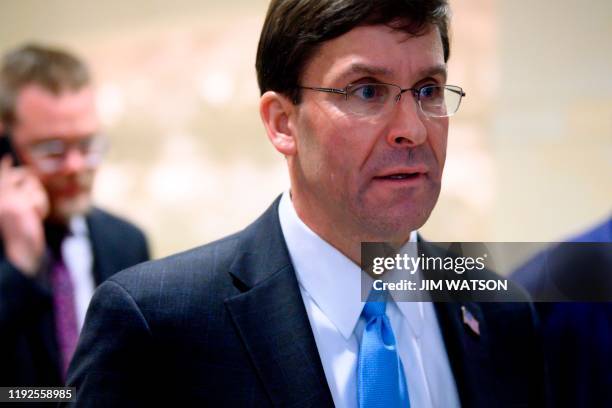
(293, 30)
(53, 69)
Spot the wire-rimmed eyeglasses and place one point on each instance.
(374, 99)
(49, 155)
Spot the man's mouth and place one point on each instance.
(401, 176)
(70, 190)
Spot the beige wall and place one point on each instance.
(530, 152)
(552, 130)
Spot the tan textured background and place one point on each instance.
(530, 152)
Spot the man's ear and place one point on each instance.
(277, 113)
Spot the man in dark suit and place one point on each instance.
(55, 248)
(576, 334)
(273, 315)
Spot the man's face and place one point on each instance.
(68, 119)
(377, 178)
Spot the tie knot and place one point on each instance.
(55, 234)
(373, 309)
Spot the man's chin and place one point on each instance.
(64, 209)
(396, 216)
(395, 224)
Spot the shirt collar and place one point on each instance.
(78, 226)
(331, 279)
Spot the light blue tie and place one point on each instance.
(380, 374)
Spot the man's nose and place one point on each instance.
(407, 128)
(74, 161)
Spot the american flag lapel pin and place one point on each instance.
(470, 321)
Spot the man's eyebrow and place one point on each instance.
(370, 70)
(437, 70)
(364, 69)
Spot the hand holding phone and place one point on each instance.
(23, 207)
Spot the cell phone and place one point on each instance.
(6, 147)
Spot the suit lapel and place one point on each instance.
(468, 352)
(271, 320)
(102, 254)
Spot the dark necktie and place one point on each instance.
(64, 307)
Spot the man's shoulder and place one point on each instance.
(206, 266)
(99, 218)
(600, 233)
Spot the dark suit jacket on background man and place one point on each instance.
(28, 349)
(577, 336)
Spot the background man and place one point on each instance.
(354, 95)
(55, 247)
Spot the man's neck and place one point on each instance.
(345, 239)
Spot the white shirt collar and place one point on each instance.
(330, 278)
(78, 226)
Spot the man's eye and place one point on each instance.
(86, 145)
(51, 148)
(369, 92)
(430, 92)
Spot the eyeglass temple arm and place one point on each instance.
(457, 91)
(330, 90)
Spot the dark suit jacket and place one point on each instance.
(225, 325)
(577, 336)
(29, 354)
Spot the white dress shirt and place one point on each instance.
(330, 284)
(78, 258)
